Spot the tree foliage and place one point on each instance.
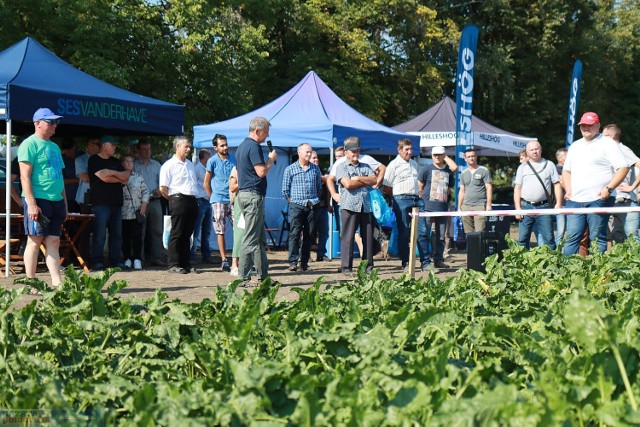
(390, 59)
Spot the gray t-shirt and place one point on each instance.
(475, 192)
(532, 190)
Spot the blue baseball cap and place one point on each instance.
(44, 113)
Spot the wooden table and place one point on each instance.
(15, 220)
(67, 241)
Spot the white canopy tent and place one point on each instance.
(437, 126)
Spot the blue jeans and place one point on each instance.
(561, 227)
(402, 206)
(632, 223)
(202, 229)
(107, 217)
(577, 223)
(544, 224)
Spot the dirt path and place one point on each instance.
(195, 287)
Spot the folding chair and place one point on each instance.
(284, 226)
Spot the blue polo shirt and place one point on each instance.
(249, 154)
(220, 170)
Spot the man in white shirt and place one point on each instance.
(401, 177)
(622, 225)
(178, 186)
(594, 167)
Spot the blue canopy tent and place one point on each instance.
(32, 77)
(309, 112)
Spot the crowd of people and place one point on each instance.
(125, 197)
(597, 171)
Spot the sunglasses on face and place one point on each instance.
(51, 121)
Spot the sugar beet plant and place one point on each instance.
(539, 339)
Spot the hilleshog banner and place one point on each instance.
(574, 100)
(464, 94)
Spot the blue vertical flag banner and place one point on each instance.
(464, 94)
(574, 100)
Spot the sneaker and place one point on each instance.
(225, 265)
(320, 259)
(441, 264)
(292, 267)
(127, 263)
(194, 271)
(137, 264)
(234, 271)
(427, 266)
(304, 267)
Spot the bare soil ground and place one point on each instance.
(194, 287)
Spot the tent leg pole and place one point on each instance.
(7, 201)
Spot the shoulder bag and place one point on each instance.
(551, 198)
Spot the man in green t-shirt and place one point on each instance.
(43, 197)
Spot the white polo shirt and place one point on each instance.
(592, 164)
(179, 177)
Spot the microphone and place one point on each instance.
(270, 146)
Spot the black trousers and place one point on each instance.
(183, 210)
(350, 222)
(302, 220)
(131, 239)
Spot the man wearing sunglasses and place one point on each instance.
(43, 196)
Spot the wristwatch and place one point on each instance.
(610, 190)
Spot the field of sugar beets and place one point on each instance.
(539, 340)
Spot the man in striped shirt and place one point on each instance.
(356, 180)
(301, 186)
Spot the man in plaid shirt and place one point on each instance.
(301, 186)
(355, 180)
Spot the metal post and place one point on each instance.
(7, 201)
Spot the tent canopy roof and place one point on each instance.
(309, 112)
(437, 126)
(31, 77)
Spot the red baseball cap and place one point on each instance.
(589, 119)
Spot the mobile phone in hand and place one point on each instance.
(43, 221)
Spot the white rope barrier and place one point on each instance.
(509, 212)
(513, 212)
